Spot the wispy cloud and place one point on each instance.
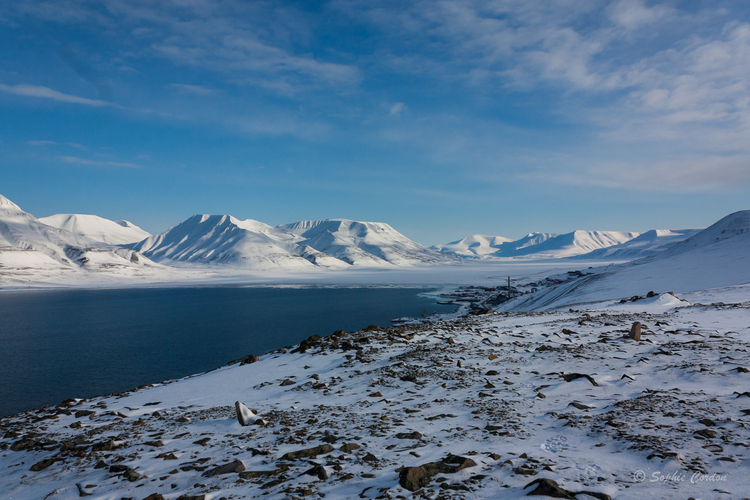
(53, 143)
(48, 93)
(192, 89)
(95, 163)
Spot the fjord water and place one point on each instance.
(81, 343)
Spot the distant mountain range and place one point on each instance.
(594, 245)
(333, 243)
(64, 242)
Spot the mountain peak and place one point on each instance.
(7, 205)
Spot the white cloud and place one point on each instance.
(397, 108)
(82, 161)
(48, 93)
(192, 89)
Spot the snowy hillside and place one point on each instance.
(476, 245)
(98, 228)
(649, 243)
(336, 243)
(718, 256)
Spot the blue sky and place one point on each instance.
(442, 118)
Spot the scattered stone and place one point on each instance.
(349, 447)
(375, 395)
(203, 441)
(707, 422)
(251, 358)
(580, 406)
(706, 433)
(287, 382)
(548, 487)
(308, 453)
(409, 435)
(319, 471)
(245, 416)
(42, 465)
(155, 444)
(154, 496)
(413, 478)
(569, 377)
(81, 491)
(635, 331)
(235, 466)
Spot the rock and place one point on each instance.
(42, 465)
(287, 382)
(707, 422)
(569, 377)
(375, 395)
(651, 294)
(76, 425)
(492, 357)
(549, 488)
(83, 413)
(131, 475)
(635, 331)
(154, 496)
(155, 444)
(252, 358)
(81, 491)
(413, 478)
(308, 453)
(450, 341)
(202, 442)
(101, 464)
(319, 471)
(235, 466)
(580, 406)
(706, 433)
(245, 416)
(349, 447)
(491, 373)
(192, 497)
(104, 446)
(254, 474)
(409, 435)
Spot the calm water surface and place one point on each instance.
(81, 343)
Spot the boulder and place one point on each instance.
(308, 453)
(235, 466)
(635, 331)
(245, 416)
(414, 478)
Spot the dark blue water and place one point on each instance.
(81, 343)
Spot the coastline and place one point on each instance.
(484, 388)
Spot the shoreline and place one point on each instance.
(411, 397)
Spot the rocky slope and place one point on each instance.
(494, 406)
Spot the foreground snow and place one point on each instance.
(663, 417)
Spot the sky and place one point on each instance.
(443, 118)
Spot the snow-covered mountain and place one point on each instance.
(26, 242)
(223, 239)
(718, 256)
(649, 243)
(97, 228)
(476, 245)
(542, 245)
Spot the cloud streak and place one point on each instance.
(95, 163)
(48, 93)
